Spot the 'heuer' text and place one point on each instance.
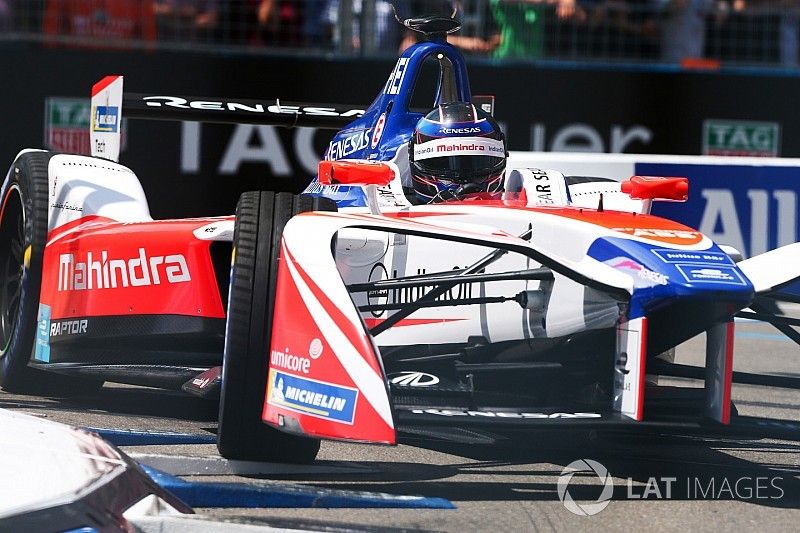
(100, 272)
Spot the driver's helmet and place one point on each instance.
(456, 150)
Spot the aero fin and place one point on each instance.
(629, 368)
(719, 372)
(774, 269)
(105, 128)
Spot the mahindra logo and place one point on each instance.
(415, 379)
(100, 272)
(460, 147)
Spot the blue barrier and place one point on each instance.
(199, 494)
(129, 437)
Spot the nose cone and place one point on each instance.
(683, 291)
(662, 273)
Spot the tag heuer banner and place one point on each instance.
(741, 138)
(66, 126)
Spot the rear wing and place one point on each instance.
(268, 112)
(108, 101)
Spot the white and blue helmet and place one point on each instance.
(456, 149)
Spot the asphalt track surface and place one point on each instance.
(512, 487)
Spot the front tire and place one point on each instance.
(260, 219)
(23, 235)
(23, 230)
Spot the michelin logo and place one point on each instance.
(105, 118)
(311, 397)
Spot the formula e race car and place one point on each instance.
(368, 318)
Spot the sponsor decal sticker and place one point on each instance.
(98, 271)
(105, 119)
(503, 414)
(42, 346)
(682, 256)
(436, 129)
(649, 277)
(201, 383)
(657, 232)
(65, 206)
(249, 107)
(216, 231)
(347, 146)
(316, 187)
(741, 138)
(414, 379)
(311, 397)
(68, 327)
(387, 297)
(457, 131)
(544, 191)
(396, 78)
(458, 146)
(378, 133)
(289, 362)
(315, 349)
(704, 274)
(671, 236)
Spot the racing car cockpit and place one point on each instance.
(384, 131)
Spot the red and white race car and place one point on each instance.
(542, 306)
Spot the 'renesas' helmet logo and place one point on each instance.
(450, 131)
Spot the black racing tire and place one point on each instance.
(23, 235)
(260, 219)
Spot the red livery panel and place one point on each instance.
(100, 268)
(319, 364)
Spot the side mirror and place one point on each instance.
(657, 188)
(355, 172)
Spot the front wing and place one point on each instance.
(326, 376)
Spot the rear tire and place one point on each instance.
(23, 235)
(260, 219)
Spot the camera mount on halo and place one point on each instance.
(432, 26)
